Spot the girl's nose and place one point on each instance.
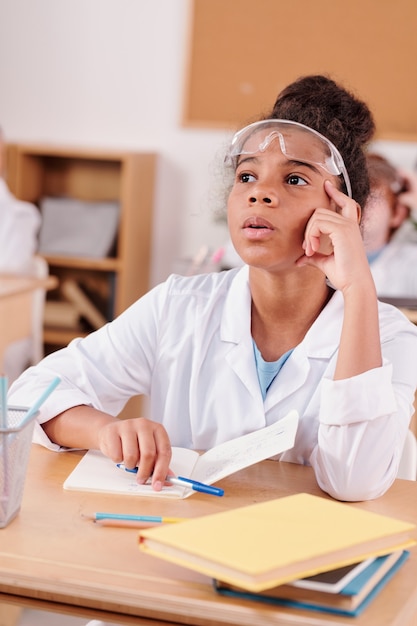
(263, 194)
(254, 199)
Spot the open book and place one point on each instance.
(96, 472)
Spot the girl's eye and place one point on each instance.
(246, 178)
(294, 179)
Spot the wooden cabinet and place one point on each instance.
(116, 281)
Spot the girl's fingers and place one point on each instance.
(318, 234)
(139, 442)
(163, 458)
(348, 207)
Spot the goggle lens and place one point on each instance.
(297, 142)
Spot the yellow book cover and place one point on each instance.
(263, 545)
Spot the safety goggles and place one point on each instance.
(297, 143)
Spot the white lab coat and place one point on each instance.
(395, 270)
(187, 344)
(19, 226)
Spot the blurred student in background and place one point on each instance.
(19, 227)
(388, 230)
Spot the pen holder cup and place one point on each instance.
(15, 444)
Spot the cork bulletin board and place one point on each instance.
(243, 52)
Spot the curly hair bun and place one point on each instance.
(320, 103)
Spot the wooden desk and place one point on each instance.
(16, 306)
(51, 557)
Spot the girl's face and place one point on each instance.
(270, 203)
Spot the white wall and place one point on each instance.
(111, 73)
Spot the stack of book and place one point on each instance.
(257, 552)
(344, 591)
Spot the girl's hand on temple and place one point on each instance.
(141, 443)
(333, 241)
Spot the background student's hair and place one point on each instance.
(381, 171)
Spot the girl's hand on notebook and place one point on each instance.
(141, 443)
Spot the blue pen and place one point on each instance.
(195, 485)
(157, 519)
(181, 481)
(134, 470)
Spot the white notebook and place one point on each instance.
(96, 472)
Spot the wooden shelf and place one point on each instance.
(108, 264)
(112, 283)
(58, 336)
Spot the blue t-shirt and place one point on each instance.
(268, 370)
(372, 256)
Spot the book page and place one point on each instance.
(232, 456)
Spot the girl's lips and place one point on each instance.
(257, 228)
(257, 223)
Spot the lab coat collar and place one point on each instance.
(236, 317)
(235, 328)
(321, 340)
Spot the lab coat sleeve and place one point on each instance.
(102, 370)
(363, 420)
(363, 423)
